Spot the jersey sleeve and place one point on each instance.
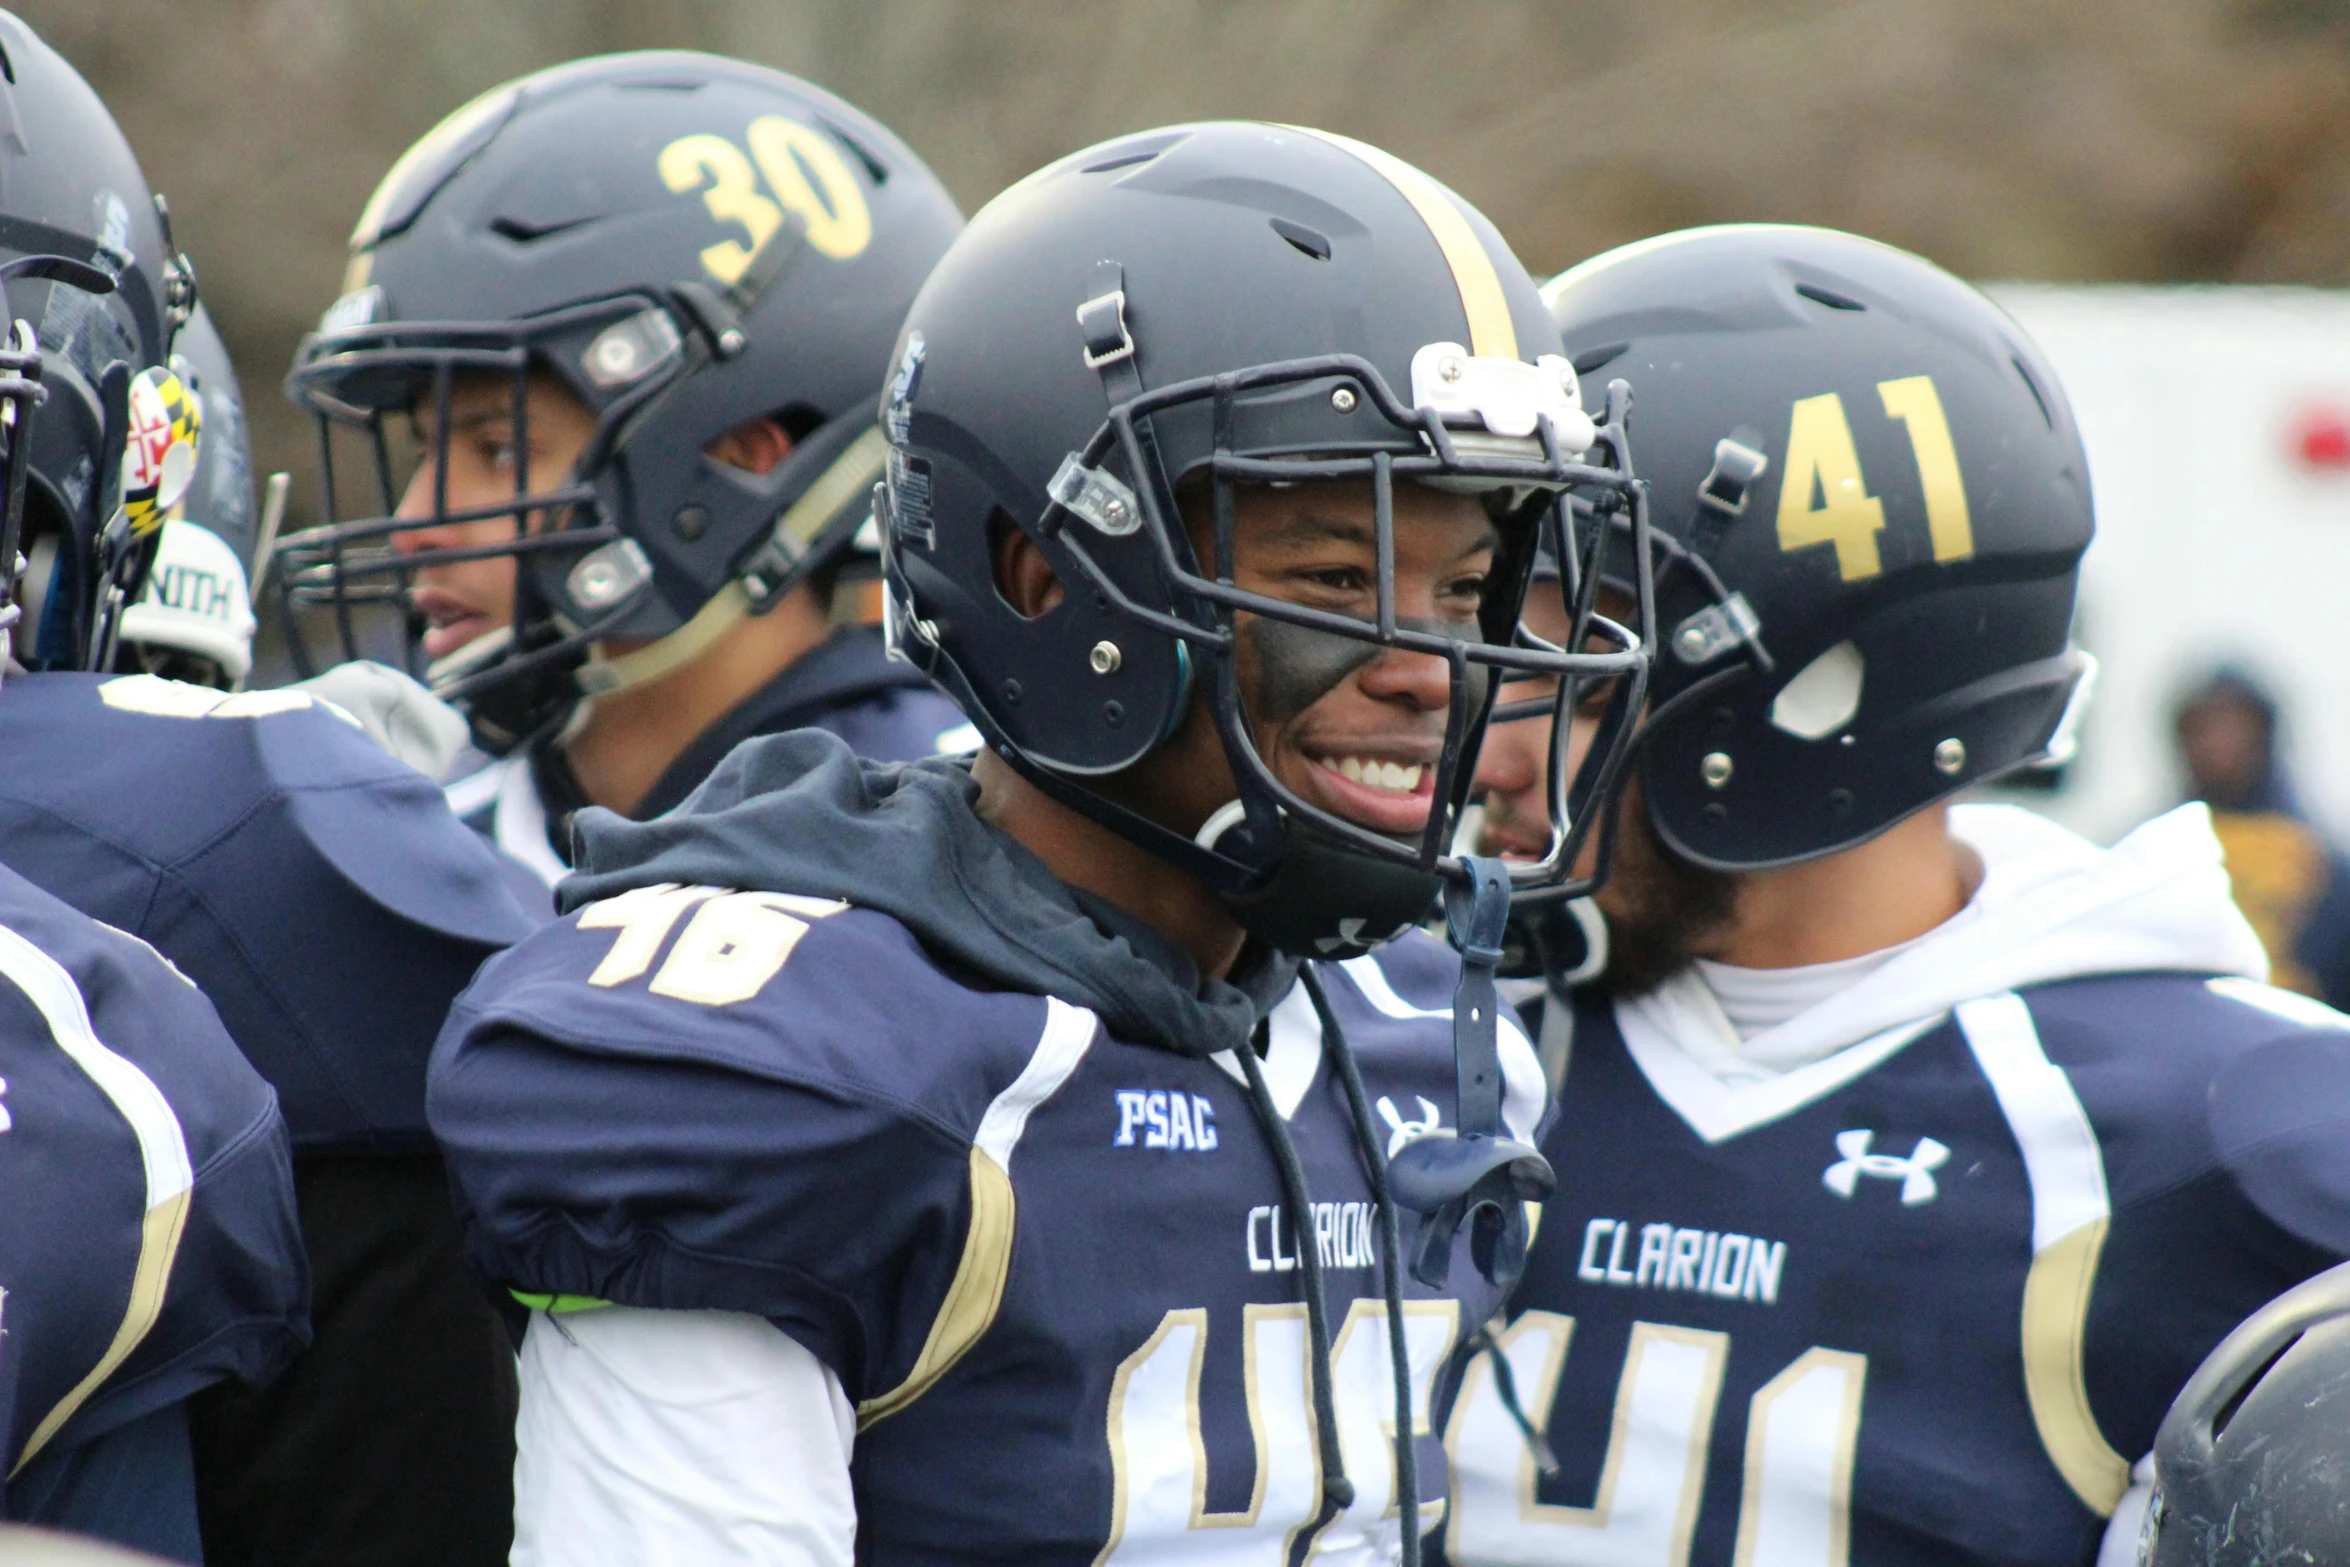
(2221, 1115)
(153, 1249)
(688, 1099)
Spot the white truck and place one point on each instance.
(2217, 421)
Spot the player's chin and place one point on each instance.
(1386, 795)
(1508, 841)
(442, 640)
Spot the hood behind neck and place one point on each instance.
(2051, 906)
(797, 812)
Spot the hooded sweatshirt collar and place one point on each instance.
(2052, 906)
(799, 813)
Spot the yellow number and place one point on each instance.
(735, 943)
(732, 197)
(643, 917)
(840, 225)
(1914, 402)
(1819, 451)
(807, 174)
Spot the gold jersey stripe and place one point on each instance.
(159, 1244)
(973, 1297)
(1491, 332)
(2056, 1316)
(977, 1290)
(2071, 1211)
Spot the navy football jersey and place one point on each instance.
(147, 1236)
(1924, 1301)
(317, 889)
(1052, 1268)
(849, 686)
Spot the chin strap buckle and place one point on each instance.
(1475, 1176)
(1109, 342)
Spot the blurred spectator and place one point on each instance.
(2291, 881)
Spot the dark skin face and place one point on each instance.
(1348, 726)
(2225, 743)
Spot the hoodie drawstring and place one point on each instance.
(1407, 1461)
(1338, 1493)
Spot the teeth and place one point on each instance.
(1391, 777)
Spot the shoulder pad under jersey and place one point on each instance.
(318, 890)
(2270, 1070)
(690, 1098)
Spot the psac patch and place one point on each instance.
(1166, 1118)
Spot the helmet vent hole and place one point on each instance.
(1595, 358)
(1829, 297)
(1134, 152)
(2033, 385)
(1311, 242)
(875, 169)
(7, 67)
(2226, 1413)
(522, 231)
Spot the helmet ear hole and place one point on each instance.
(1024, 577)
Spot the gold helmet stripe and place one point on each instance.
(1491, 333)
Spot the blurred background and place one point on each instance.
(2159, 188)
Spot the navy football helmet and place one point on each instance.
(687, 243)
(2252, 1465)
(1871, 503)
(1191, 310)
(88, 251)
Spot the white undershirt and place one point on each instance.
(1759, 999)
(661, 1437)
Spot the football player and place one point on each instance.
(320, 892)
(1911, 1153)
(991, 1159)
(630, 314)
(148, 1245)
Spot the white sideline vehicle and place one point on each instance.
(2218, 426)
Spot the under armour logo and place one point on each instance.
(1916, 1173)
(1405, 1130)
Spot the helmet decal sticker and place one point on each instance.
(1822, 497)
(159, 460)
(1913, 401)
(807, 175)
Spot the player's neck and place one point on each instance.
(1084, 853)
(632, 737)
(1894, 888)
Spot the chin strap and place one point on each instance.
(1475, 1175)
(759, 586)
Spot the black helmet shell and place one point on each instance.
(1903, 564)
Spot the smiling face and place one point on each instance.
(462, 600)
(1346, 725)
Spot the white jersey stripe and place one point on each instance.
(1068, 1034)
(2059, 1146)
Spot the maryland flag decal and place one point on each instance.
(159, 460)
